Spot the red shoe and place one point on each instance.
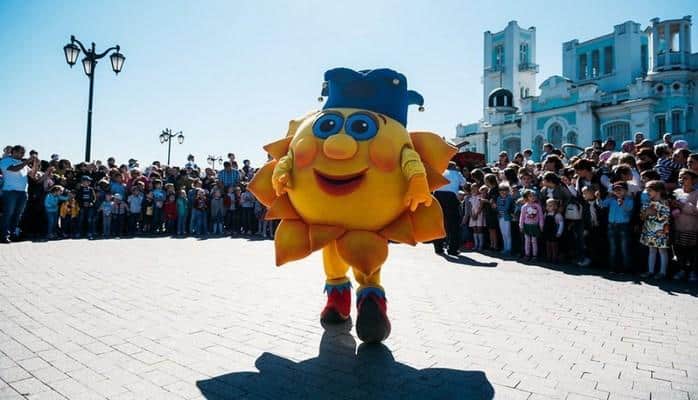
(338, 305)
(372, 323)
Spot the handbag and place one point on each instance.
(573, 211)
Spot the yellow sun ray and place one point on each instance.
(423, 222)
(279, 148)
(261, 184)
(321, 235)
(363, 250)
(281, 208)
(400, 230)
(291, 241)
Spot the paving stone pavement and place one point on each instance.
(214, 319)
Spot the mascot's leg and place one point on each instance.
(372, 323)
(337, 286)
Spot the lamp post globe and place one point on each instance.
(88, 65)
(180, 138)
(72, 51)
(117, 61)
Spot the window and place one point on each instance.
(608, 59)
(555, 135)
(618, 131)
(643, 56)
(499, 56)
(676, 122)
(512, 146)
(571, 139)
(582, 66)
(595, 64)
(526, 93)
(689, 118)
(523, 53)
(522, 93)
(660, 121)
(661, 40)
(674, 37)
(537, 147)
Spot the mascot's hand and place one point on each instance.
(417, 192)
(281, 177)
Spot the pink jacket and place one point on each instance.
(531, 214)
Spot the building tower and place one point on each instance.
(669, 43)
(509, 64)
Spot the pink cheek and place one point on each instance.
(304, 152)
(384, 154)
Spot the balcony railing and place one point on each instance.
(528, 67)
(674, 58)
(495, 68)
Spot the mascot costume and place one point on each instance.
(350, 178)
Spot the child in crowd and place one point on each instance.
(259, 212)
(86, 198)
(159, 197)
(247, 204)
(69, 215)
(477, 216)
(531, 224)
(135, 204)
(148, 210)
(51, 206)
(685, 213)
(200, 214)
(655, 229)
(170, 211)
(217, 212)
(505, 209)
(182, 211)
(119, 215)
(490, 210)
(553, 226)
(106, 209)
(620, 207)
(466, 210)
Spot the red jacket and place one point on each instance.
(170, 210)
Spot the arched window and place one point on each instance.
(512, 146)
(538, 147)
(523, 53)
(619, 131)
(555, 135)
(571, 139)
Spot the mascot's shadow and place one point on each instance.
(341, 372)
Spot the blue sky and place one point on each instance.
(230, 74)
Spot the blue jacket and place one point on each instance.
(505, 207)
(51, 202)
(618, 214)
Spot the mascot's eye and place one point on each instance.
(361, 126)
(327, 125)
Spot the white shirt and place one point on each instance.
(455, 181)
(14, 180)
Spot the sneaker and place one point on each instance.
(645, 275)
(372, 323)
(660, 276)
(693, 277)
(338, 304)
(6, 240)
(679, 275)
(585, 262)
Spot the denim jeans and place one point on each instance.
(13, 202)
(505, 229)
(51, 223)
(132, 223)
(576, 230)
(199, 222)
(618, 235)
(181, 224)
(106, 225)
(87, 214)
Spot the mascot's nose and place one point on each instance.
(340, 147)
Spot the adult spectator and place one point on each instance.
(446, 196)
(229, 176)
(15, 170)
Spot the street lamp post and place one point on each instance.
(167, 136)
(72, 51)
(213, 160)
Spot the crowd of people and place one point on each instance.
(54, 199)
(631, 208)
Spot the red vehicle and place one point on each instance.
(469, 159)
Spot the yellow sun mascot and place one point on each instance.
(350, 178)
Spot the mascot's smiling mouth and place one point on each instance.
(339, 184)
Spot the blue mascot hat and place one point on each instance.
(379, 90)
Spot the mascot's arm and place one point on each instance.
(281, 176)
(416, 176)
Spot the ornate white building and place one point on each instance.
(629, 80)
